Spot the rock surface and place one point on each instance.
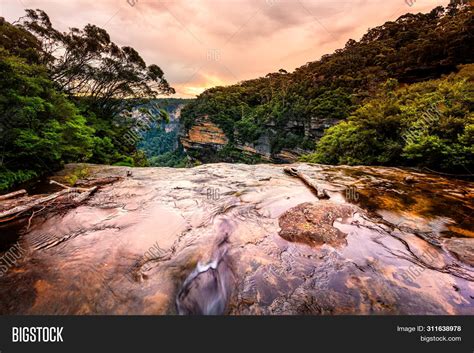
(128, 249)
(204, 140)
(462, 248)
(312, 223)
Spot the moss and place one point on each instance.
(80, 172)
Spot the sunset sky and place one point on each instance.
(205, 43)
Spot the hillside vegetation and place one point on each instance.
(384, 82)
(68, 97)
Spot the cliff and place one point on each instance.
(284, 114)
(205, 141)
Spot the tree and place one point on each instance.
(414, 48)
(86, 63)
(39, 128)
(428, 124)
(19, 42)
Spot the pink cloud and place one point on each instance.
(201, 43)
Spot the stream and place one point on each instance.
(406, 243)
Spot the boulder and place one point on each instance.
(312, 223)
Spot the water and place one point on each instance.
(97, 258)
(207, 290)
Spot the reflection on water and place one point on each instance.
(80, 262)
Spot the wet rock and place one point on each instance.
(206, 291)
(462, 248)
(313, 223)
(79, 261)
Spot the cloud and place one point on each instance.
(203, 43)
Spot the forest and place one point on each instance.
(68, 97)
(368, 95)
(160, 142)
(402, 96)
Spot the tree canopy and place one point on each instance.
(86, 63)
(293, 109)
(66, 97)
(428, 124)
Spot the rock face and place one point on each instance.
(462, 248)
(205, 139)
(318, 125)
(312, 223)
(380, 245)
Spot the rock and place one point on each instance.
(313, 223)
(204, 139)
(462, 248)
(389, 265)
(410, 179)
(287, 156)
(204, 134)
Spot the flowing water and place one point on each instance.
(131, 246)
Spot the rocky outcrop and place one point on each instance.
(205, 139)
(204, 133)
(260, 148)
(155, 236)
(317, 125)
(312, 223)
(288, 156)
(462, 248)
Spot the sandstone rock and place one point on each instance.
(115, 230)
(462, 248)
(313, 223)
(204, 133)
(287, 156)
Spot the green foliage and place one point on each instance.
(175, 159)
(248, 129)
(39, 128)
(424, 124)
(64, 97)
(80, 172)
(414, 48)
(20, 42)
(158, 141)
(231, 154)
(332, 104)
(160, 144)
(9, 177)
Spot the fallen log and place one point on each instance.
(30, 205)
(11, 203)
(54, 182)
(13, 195)
(36, 204)
(315, 188)
(85, 195)
(96, 181)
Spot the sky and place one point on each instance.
(204, 43)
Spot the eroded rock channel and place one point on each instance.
(388, 241)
